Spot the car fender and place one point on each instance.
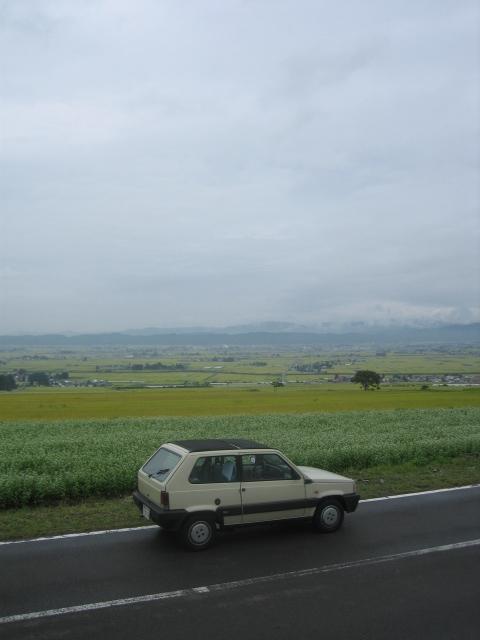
(319, 493)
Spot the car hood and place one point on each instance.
(320, 475)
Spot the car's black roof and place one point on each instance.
(219, 445)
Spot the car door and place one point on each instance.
(270, 488)
(214, 484)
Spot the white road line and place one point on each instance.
(81, 534)
(235, 584)
(154, 526)
(422, 493)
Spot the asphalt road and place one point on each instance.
(400, 568)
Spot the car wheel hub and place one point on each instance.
(200, 533)
(330, 516)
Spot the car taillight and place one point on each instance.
(164, 501)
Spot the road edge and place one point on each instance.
(82, 534)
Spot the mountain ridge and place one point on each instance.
(445, 334)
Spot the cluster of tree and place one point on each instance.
(159, 366)
(21, 375)
(63, 375)
(39, 378)
(258, 363)
(196, 383)
(43, 379)
(36, 378)
(315, 367)
(224, 359)
(367, 379)
(7, 382)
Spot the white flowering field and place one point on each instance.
(42, 462)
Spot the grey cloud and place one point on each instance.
(310, 165)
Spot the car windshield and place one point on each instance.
(161, 463)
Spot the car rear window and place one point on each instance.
(213, 469)
(161, 463)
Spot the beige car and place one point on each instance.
(197, 487)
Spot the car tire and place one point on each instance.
(328, 516)
(198, 532)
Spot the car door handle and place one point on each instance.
(243, 490)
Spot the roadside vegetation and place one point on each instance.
(94, 514)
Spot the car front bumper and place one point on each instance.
(351, 501)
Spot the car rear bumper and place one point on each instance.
(171, 519)
(351, 501)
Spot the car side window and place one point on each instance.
(214, 469)
(266, 466)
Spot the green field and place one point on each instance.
(42, 462)
(422, 363)
(58, 404)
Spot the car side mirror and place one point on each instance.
(307, 481)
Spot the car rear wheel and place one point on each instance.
(328, 516)
(198, 532)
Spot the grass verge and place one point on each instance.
(94, 514)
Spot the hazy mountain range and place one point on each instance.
(270, 333)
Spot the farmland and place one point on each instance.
(47, 461)
(77, 444)
(119, 381)
(37, 403)
(154, 366)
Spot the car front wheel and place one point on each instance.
(198, 533)
(328, 516)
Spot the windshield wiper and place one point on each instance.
(157, 473)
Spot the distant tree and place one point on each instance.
(367, 379)
(159, 366)
(21, 375)
(62, 375)
(314, 367)
(7, 382)
(39, 378)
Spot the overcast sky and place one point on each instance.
(176, 163)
